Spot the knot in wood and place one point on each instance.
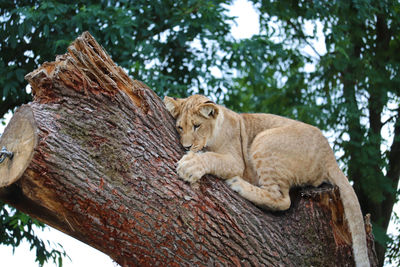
(4, 153)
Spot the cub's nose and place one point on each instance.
(187, 147)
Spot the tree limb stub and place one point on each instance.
(102, 169)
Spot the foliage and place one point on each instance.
(352, 93)
(153, 40)
(270, 79)
(16, 226)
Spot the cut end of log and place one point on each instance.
(86, 67)
(20, 138)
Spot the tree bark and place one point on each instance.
(102, 169)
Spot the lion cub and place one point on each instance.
(261, 156)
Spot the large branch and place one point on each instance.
(96, 159)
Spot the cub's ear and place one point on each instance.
(209, 110)
(173, 105)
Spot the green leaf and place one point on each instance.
(46, 30)
(6, 89)
(20, 73)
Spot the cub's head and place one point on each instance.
(195, 120)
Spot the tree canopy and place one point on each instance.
(350, 89)
(353, 92)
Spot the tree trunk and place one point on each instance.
(97, 157)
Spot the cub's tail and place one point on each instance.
(353, 215)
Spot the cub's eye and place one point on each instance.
(179, 128)
(196, 126)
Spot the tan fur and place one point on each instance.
(261, 156)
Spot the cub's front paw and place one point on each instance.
(236, 184)
(191, 168)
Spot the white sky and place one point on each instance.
(83, 255)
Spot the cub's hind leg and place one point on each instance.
(271, 197)
(271, 163)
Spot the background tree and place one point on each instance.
(352, 92)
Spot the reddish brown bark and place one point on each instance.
(103, 171)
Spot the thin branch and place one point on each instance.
(303, 37)
(391, 118)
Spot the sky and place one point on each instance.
(82, 255)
